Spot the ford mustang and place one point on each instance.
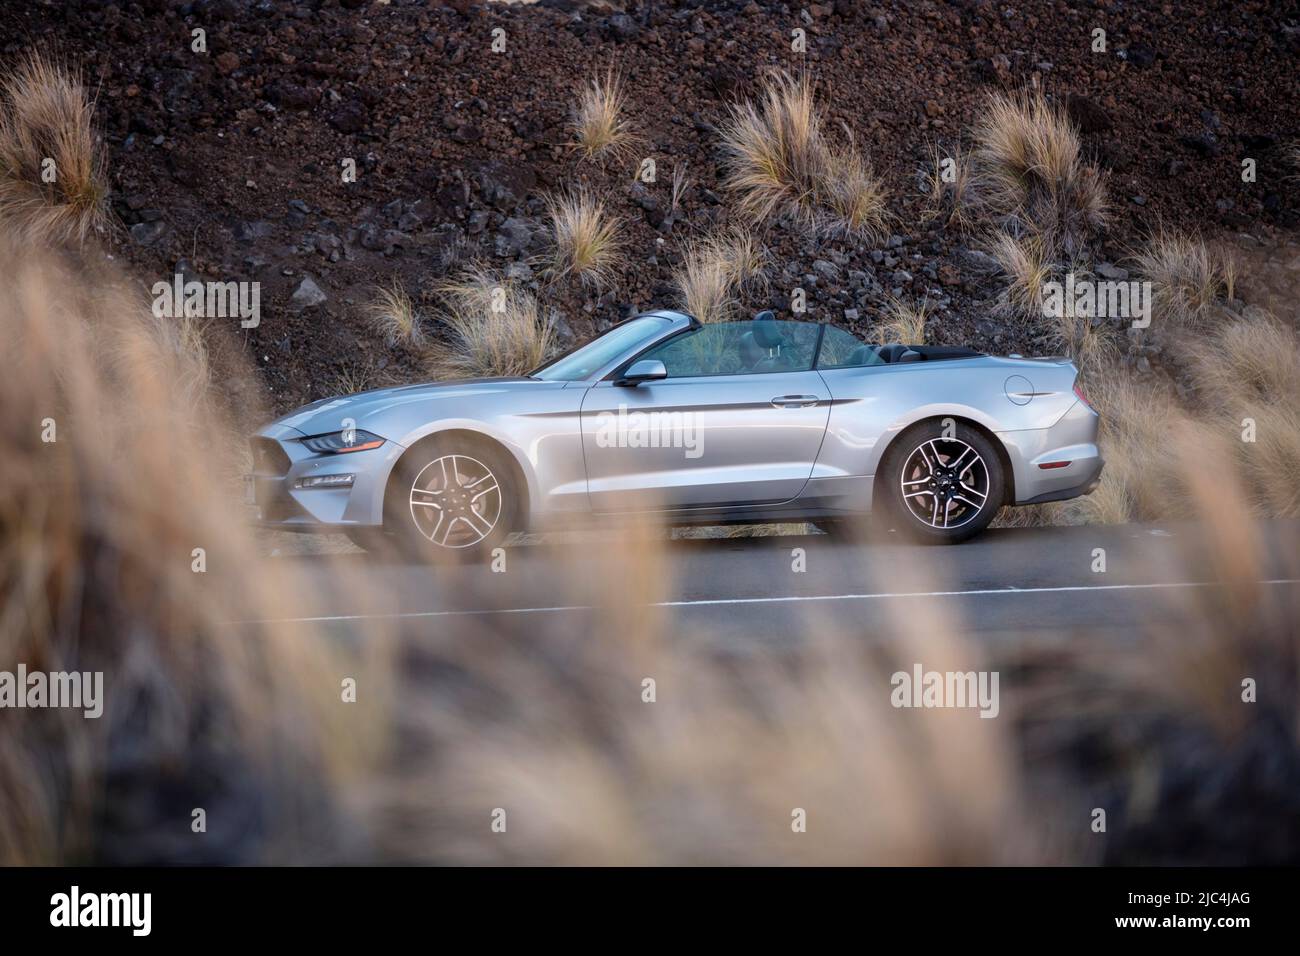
(761, 420)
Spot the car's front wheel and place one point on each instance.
(944, 482)
(452, 499)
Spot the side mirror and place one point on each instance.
(646, 370)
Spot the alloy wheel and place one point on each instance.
(455, 501)
(945, 483)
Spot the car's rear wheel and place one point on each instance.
(452, 499)
(944, 482)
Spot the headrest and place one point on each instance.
(766, 332)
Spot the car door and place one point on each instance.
(738, 421)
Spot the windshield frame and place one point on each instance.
(663, 325)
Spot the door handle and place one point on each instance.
(795, 401)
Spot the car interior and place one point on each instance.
(766, 344)
(761, 347)
(761, 350)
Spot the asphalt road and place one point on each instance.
(1042, 581)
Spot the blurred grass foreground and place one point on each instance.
(530, 744)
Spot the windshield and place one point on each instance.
(601, 351)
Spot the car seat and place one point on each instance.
(895, 353)
(766, 336)
(751, 353)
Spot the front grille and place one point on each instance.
(268, 457)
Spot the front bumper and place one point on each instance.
(280, 460)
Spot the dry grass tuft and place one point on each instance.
(1141, 481)
(705, 286)
(496, 329)
(1090, 344)
(1029, 516)
(854, 195)
(1272, 460)
(98, 531)
(1163, 733)
(392, 313)
(743, 254)
(903, 323)
(1089, 341)
(776, 150)
(47, 130)
(712, 771)
(1247, 374)
(352, 378)
(680, 184)
(1027, 265)
(780, 161)
(1230, 271)
(952, 196)
(1187, 279)
(586, 241)
(714, 271)
(1246, 361)
(598, 122)
(1032, 175)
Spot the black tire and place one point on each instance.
(435, 518)
(957, 497)
(861, 529)
(371, 540)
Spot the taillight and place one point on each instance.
(1078, 390)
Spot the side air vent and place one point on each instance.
(268, 457)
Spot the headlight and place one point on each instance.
(340, 443)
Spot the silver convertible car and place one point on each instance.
(735, 422)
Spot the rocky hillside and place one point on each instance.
(227, 162)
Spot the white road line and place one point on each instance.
(791, 599)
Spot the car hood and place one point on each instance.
(328, 414)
